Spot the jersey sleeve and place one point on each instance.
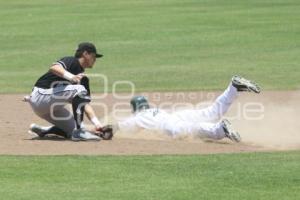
(65, 62)
(128, 125)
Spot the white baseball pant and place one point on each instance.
(200, 122)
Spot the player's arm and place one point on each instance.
(58, 70)
(105, 132)
(90, 113)
(128, 125)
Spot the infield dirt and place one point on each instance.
(266, 122)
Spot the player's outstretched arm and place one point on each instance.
(90, 113)
(105, 132)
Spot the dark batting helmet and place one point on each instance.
(139, 103)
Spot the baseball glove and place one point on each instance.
(106, 132)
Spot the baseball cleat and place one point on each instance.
(242, 84)
(38, 130)
(82, 135)
(229, 132)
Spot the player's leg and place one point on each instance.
(225, 100)
(62, 119)
(221, 104)
(42, 131)
(213, 112)
(207, 130)
(78, 100)
(78, 104)
(44, 102)
(63, 123)
(79, 96)
(215, 131)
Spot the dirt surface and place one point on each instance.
(266, 122)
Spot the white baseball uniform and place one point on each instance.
(197, 121)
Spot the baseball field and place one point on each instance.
(173, 52)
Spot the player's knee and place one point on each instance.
(68, 130)
(80, 89)
(218, 134)
(81, 98)
(172, 131)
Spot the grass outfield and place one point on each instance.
(228, 176)
(166, 45)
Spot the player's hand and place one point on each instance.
(98, 129)
(77, 78)
(105, 132)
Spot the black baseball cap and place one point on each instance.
(89, 47)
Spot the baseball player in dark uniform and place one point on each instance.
(66, 84)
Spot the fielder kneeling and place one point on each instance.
(65, 83)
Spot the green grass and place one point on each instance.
(169, 45)
(228, 176)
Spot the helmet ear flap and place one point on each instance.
(139, 103)
(133, 106)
